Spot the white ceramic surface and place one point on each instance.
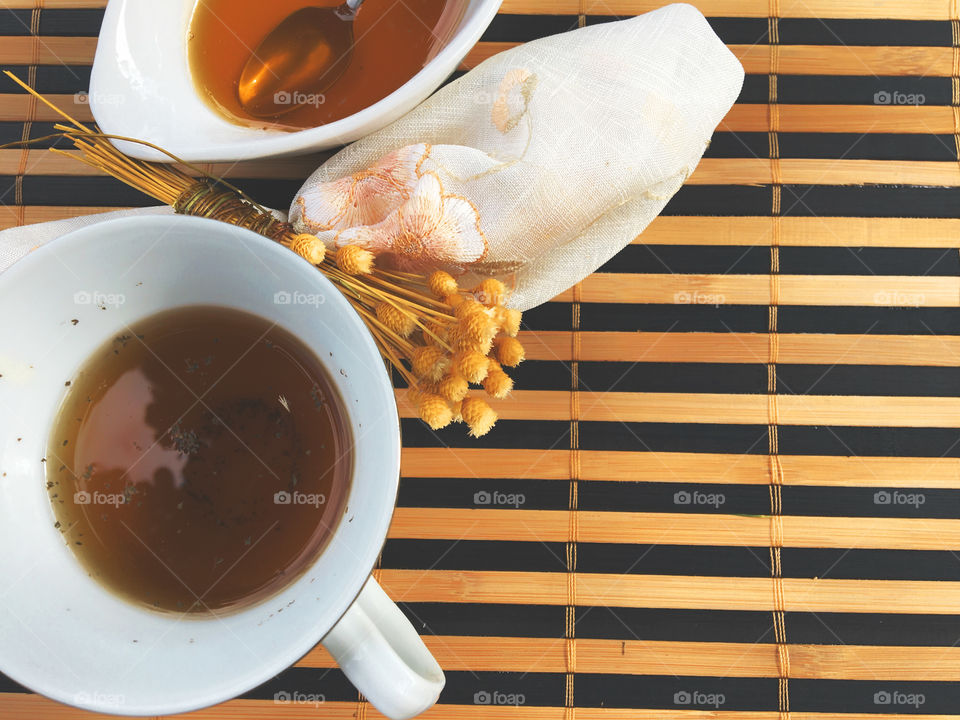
(61, 633)
(141, 87)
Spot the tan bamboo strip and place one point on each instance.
(732, 289)
(712, 468)
(680, 528)
(725, 408)
(44, 162)
(483, 50)
(14, 107)
(747, 348)
(803, 231)
(17, 706)
(847, 60)
(794, 59)
(855, 9)
(52, 4)
(741, 118)
(711, 171)
(695, 659)
(816, 171)
(488, 463)
(923, 119)
(52, 50)
(682, 230)
(674, 591)
(45, 213)
(58, 50)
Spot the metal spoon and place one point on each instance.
(299, 59)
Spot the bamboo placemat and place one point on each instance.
(729, 486)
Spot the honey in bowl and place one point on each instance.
(392, 42)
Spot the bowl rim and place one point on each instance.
(273, 143)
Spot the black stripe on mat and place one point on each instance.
(738, 378)
(691, 200)
(817, 201)
(893, 380)
(59, 79)
(834, 31)
(521, 28)
(542, 621)
(13, 132)
(66, 21)
(822, 628)
(516, 27)
(673, 496)
(829, 31)
(99, 190)
(670, 496)
(541, 689)
(836, 146)
(670, 625)
(304, 687)
(662, 559)
(794, 260)
(848, 90)
(694, 437)
(654, 691)
(842, 320)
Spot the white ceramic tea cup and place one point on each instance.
(64, 635)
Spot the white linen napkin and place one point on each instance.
(536, 166)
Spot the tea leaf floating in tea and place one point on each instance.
(466, 335)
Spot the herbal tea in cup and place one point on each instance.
(199, 460)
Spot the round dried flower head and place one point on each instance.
(509, 350)
(454, 300)
(442, 284)
(490, 292)
(453, 387)
(429, 362)
(497, 383)
(479, 416)
(456, 409)
(435, 411)
(436, 333)
(476, 332)
(354, 260)
(460, 342)
(396, 319)
(309, 247)
(467, 308)
(509, 320)
(472, 365)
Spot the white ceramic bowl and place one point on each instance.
(141, 88)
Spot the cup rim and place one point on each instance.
(279, 659)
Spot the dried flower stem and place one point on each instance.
(438, 336)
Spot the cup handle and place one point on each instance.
(381, 653)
